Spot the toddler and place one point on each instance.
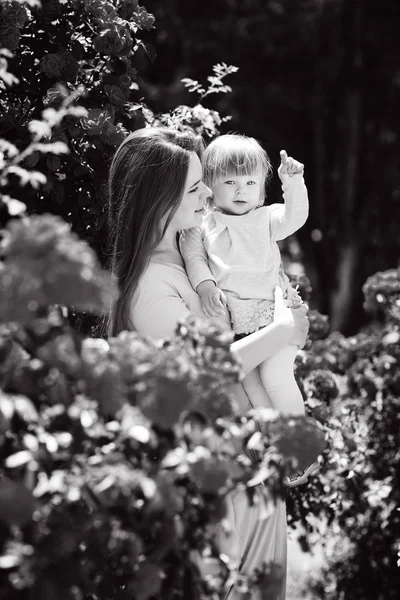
(234, 261)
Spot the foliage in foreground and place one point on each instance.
(117, 457)
(352, 386)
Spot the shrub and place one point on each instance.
(116, 457)
(352, 387)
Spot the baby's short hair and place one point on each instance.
(235, 154)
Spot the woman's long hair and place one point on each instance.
(146, 182)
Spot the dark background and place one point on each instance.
(321, 79)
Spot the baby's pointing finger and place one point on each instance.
(284, 156)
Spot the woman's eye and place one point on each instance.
(194, 190)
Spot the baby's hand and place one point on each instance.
(213, 299)
(289, 165)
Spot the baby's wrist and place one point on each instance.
(206, 286)
(286, 177)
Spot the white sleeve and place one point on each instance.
(157, 309)
(287, 218)
(195, 256)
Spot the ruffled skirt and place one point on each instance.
(250, 314)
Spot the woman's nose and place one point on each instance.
(206, 191)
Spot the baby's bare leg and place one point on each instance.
(255, 390)
(277, 376)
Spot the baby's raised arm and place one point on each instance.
(287, 218)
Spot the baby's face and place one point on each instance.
(238, 194)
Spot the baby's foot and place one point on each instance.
(295, 479)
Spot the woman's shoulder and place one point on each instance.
(160, 281)
(155, 300)
(159, 278)
(163, 296)
(163, 270)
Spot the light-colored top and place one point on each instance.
(240, 252)
(163, 297)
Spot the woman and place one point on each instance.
(156, 190)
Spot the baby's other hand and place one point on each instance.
(213, 300)
(289, 165)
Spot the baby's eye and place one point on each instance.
(251, 183)
(230, 182)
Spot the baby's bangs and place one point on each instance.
(222, 160)
(238, 163)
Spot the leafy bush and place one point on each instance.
(90, 49)
(116, 457)
(352, 386)
(62, 47)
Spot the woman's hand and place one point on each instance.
(295, 318)
(282, 313)
(301, 325)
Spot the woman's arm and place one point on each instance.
(289, 327)
(158, 308)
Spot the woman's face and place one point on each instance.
(190, 211)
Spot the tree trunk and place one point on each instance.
(348, 250)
